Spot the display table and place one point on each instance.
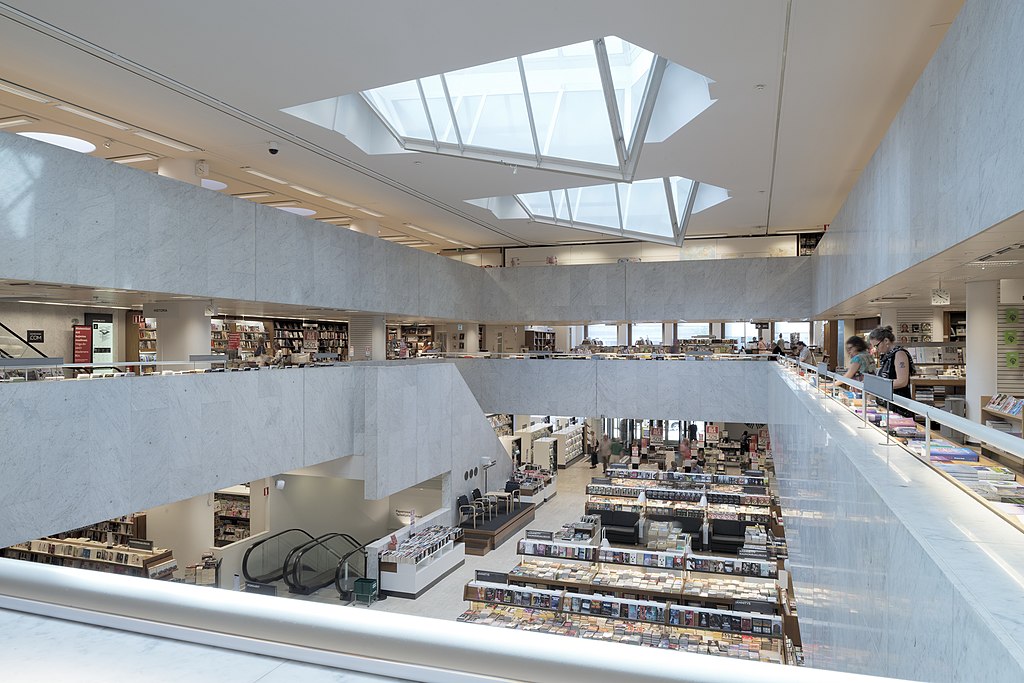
(412, 580)
(504, 496)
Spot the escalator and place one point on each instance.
(315, 564)
(351, 567)
(264, 561)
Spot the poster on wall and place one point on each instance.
(762, 436)
(1013, 359)
(234, 340)
(657, 436)
(1012, 315)
(712, 433)
(103, 342)
(310, 338)
(753, 443)
(1010, 337)
(82, 343)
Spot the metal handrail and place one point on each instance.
(248, 551)
(293, 560)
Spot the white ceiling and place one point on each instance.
(216, 74)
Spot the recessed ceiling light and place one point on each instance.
(261, 174)
(65, 141)
(287, 202)
(16, 121)
(92, 116)
(297, 210)
(709, 237)
(347, 205)
(414, 227)
(181, 146)
(338, 220)
(211, 184)
(134, 158)
(253, 195)
(368, 212)
(306, 190)
(22, 92)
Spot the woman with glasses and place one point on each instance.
(894, 362)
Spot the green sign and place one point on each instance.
(1012, 315)
(1010, 337)
(1012, 359)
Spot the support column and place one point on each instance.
(623, 334)
(937, 322)
(887, 318)
(179, 169)
(183, 329)
(563, 338)
(367, 337)
(980, 352)
(668, 334)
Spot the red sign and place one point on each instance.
(82, 343)
(713, 434)
(753, 443)
(234, 340)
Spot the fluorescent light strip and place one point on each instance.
(92, 116)
(261, 174)
(82, 305)
(368, 212)
(134, 158)
(337, 220)
(339, 202)
(23, 92)
(160, 139)
(306, 190)
(253, 195)
(290, 202)
(17, 121)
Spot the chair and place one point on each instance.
(365, 589)
(727, 535)
(465, 506)
(691, 526)
(513, 488)
(489, 503)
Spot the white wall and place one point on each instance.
(322, 505)
(56, 322)
(185, 527)
(424, 498)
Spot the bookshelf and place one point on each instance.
(117, 531)
(333, 339)
(83, 553)
(420, 560)
(955, 326)
(249, 335)
(501, 423)
(418, 338)
(569, 445)
(231, 517)
(540, 340)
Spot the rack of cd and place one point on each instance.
(675, 498)
(618, 591)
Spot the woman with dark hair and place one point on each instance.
(894, 362)
(861, 363)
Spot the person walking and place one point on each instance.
(604, 452)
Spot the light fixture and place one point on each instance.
(22, 92)
(368, 212)
(337, 220)
(92, 116)
(211, 184)
(339, 202)
(414, 227)
(16, 121)
(261, 174)
(74, 304)
(134, 158)
(297, 210)
(286, 202)
(306, 190)
(253, 195)
(160, 139)
(706, 237)
(65, 141)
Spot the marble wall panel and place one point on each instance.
(893, 567)
(332, 413)
(947, 168)
(285, 246)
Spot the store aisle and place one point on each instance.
(444, 601)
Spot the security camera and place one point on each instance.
(273, 147)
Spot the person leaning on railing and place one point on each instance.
(861, 361)
(894, 362)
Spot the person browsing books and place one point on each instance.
(894, 362)
(861, 361)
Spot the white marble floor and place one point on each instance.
(444, 601)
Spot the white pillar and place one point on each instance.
(887, 318)
(367, 337)
(937, 322)
(562, 336)
(622, 338)
(179, 169)
(980, 353)
(666, 334)
(472, 332)
(182, 328)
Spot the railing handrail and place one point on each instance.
(403, 646)
(983, 433)
(248, 551)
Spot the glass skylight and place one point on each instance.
(584, 108)
(656, 210)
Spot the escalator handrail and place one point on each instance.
(245, 558)
(24, 341)
(293, 561)
(341, 564)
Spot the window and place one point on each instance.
(606, 334)
(587, 108)
(786, 329)
(673, 430)
(686, 330)
(740, 331)
(652, 331)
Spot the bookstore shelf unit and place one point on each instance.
(540, 339)
(231, 516)
(83, 553)
(419, 339)
(249, 334)
(536, 485)
(421, 560)
(117, 531)
(569, 447)
(680, 498)
(501, 423)
(1005, 413)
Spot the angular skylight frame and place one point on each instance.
(662, 217)
(537, 110)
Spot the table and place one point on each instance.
(502, 495)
